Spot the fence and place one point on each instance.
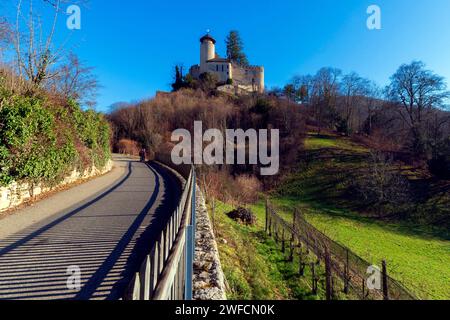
(345, 271)
(166, 273)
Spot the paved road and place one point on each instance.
(106, 235)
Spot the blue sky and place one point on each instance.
(134, 44)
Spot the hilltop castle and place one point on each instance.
(234, 77)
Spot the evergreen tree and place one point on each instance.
(235, 48)
(179, 81)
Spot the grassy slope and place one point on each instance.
(254, 266)
(417, 256)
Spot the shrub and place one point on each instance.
(243, 215)
(248, 188)
(41, 141)
(130, 147)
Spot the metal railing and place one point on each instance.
(166, 273)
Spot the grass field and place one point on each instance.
(417, 256)
(253, 264)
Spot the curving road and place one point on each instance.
(104, 227)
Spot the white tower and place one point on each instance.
(207, 51)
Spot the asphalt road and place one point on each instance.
(105, 235)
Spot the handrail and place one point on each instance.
(166, 273)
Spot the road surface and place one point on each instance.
(103, 228)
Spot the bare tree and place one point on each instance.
(382, 185)
(324, 95)
(35, 50)
(418, 91)
(75, 81)
(5, 36)
(353, 90)
(371, 102)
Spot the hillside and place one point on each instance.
(415, 246)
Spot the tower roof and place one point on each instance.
(207, 37)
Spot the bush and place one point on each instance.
(43, 142)
(382, 187)
(243, 215)
(129, 147)
(248, 189)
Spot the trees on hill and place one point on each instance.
(419, 93)
(409, 113)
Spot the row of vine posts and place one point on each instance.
(357, 277)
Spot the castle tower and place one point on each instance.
(207, 51)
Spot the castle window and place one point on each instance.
(217, 67)
(222, 68)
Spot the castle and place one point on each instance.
(232, 76)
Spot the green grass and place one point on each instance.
(253, 264)
(417, 255)
(416, 258)
(317, 142)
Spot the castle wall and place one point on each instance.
(220, 69)
(249, 76)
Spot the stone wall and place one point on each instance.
(209, 280)
(250, 76)
(16, 194)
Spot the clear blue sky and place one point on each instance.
(134, 44)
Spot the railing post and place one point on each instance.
(136, 290)
(194, 195)
(189, 262)
(145, 279)
(161, 259)
(154, 274)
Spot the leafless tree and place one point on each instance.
(353, 90)
(383, 184)
(324, 95)
(75, 81)
(35, 50)
(5, 36)
(419, 92)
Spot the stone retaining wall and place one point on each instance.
(209, 280)
(16, 194)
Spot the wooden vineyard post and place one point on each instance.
(292, 241)
(347, 272)
(291, 247)
(267, 215)
(301, 266)
(328, 284)
(270, 222)
(385, 281)
(363, 289)
(283, 242)
(275, 229)
(314, 279)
